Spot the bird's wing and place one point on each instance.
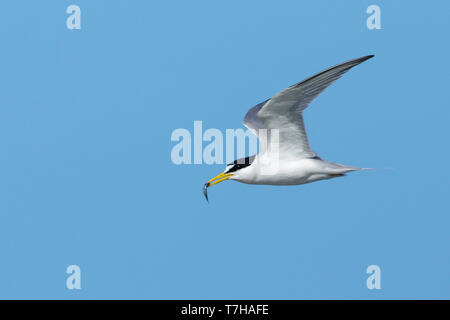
(284, 111)
(254, 124)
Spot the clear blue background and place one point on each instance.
(86, 176)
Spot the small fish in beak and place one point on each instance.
(221, 177)
(205, 190)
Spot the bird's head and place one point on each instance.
(232, 169)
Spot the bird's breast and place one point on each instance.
(277, 172)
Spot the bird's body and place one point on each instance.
(286, 157)
(289, 172)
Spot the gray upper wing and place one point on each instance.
(284, 111)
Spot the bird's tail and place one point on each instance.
(341, 169)
(346, 168)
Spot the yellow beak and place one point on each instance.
(221, 177)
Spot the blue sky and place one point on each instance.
(86, 176)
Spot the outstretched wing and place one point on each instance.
(283, 111)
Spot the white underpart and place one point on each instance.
(289, 160)
(289, 171)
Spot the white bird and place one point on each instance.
(286, 157)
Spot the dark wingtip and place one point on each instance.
(357, 61)
(205, 190)
(367, 57)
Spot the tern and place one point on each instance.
(285, 156)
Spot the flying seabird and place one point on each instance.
(285, 156)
